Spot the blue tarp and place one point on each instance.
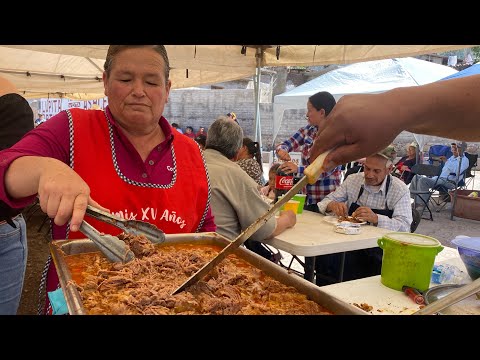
(472, 70)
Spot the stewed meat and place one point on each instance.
(144, 285)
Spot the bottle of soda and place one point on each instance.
(283, 183)
(298, 176)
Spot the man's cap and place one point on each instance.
(232, 114)
(388, 153)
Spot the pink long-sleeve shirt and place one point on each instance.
(52, 139)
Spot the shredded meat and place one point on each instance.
(364, 306)
(140, 245)
(352, 219)
(144, 285)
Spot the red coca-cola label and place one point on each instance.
(283, 182)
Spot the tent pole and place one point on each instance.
(257, 124)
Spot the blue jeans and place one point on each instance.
(13, 261)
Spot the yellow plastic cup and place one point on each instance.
(292, 205)
(300, 198)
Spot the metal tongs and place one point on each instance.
(135, 227)
(111, 246)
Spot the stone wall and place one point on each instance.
(197, 108)
(201, 107)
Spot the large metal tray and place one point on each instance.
(59, 249)
(468, 306)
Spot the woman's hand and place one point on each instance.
(64, 195)
(289, 167)
(283, 155)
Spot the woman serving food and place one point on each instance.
(125, 159)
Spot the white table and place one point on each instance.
(384, 300)
(312, 236)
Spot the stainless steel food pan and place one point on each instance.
(59, 249)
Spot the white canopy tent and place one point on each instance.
(362, 78)
(75, 71)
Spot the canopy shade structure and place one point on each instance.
(361, 78)
(75, 71)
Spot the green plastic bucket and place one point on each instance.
(408, 259)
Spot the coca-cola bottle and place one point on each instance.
(283, 183)
(298, 176)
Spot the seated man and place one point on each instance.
(235, 200)
(447, 177)
(373, 196)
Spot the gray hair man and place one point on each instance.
(236, 203)
(373, 196)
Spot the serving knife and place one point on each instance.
(312, 173)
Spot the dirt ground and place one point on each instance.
(38, 252)
(441, 228)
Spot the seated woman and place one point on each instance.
(404, 165)
(249, 158)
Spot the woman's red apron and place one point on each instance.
(177, 207)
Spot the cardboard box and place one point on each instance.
(466, 207)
